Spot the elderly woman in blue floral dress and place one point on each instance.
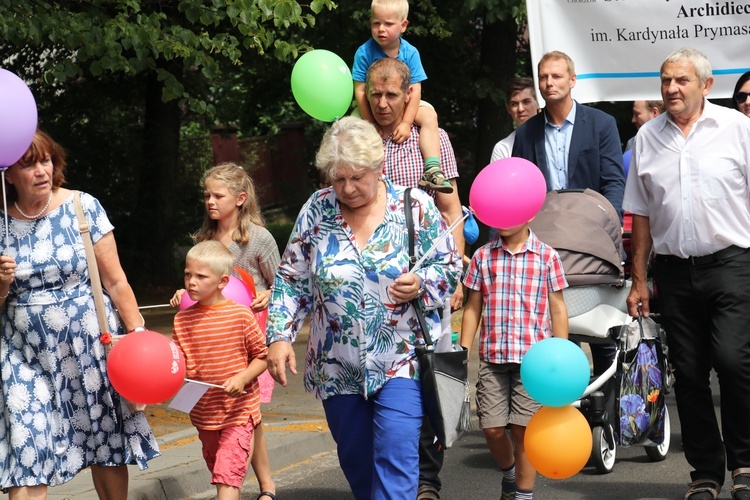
(58, 411)
(347, 261)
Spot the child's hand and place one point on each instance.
(176, 298)
(261, 301)
(235, 385)
(402, 132)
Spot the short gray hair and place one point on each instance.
(388, 67)
(695, 57)
(351, 141)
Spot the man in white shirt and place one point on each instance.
(688, 188)
(521, 106)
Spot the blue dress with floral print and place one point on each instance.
(359, 338)
(58, 411)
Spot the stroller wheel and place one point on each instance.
(602, 455)
(659, 452)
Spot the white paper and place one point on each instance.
(188, 396)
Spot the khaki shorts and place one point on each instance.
(501, 397)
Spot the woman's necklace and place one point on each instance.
(34, 217)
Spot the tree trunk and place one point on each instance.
(156, 197)
(498, 59)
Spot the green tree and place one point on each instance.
(162, 51)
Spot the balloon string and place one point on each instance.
(155, 306)
(440, 239)
(5, 212)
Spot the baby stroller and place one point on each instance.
(585, 230)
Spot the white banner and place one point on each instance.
(618, 45)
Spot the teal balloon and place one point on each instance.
(322, 85)
(555, 372)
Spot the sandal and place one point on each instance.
(741, 487)
(703, 489)
(266, 494)
(434, 178)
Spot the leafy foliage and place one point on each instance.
(100, 37)
(117, 80)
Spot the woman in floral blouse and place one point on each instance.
(58, 411)
(347, 262)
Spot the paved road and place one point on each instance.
(470, 472)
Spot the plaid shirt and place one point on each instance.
(515, 293)
(404, 164)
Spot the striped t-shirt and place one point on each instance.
(218, 342)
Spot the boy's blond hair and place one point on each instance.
(215, 255)
(399, 7)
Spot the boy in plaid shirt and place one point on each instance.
(516, 282)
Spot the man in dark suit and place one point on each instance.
(575, 147)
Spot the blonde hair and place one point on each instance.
(213, 254)
(351, 141)
(238, 181)
(556, 55)
(399, 7)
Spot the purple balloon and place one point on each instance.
(18, 118)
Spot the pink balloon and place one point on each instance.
(235, 290)
(508, 192)
(18, 118)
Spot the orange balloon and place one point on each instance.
(558, 441)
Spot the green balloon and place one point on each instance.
(322, 85)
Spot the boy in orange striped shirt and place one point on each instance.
(223, 345)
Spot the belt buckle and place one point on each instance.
(692, 260)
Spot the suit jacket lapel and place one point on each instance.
(577, 140)
(540, 152)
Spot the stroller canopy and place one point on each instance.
(584, 228)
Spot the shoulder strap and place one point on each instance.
(96, 283)
(412, 259)
(409, 224)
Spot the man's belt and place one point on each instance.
(727, 253)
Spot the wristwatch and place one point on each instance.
(141, 328)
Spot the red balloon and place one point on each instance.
(235, 290)
(508, 192)
(146, 367)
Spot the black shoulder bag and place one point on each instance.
(444, 375)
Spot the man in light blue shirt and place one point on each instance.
(556, 147)
(575, 147)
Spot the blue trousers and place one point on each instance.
(706, 314)
(377, 439)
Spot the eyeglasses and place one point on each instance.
(741, 97)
